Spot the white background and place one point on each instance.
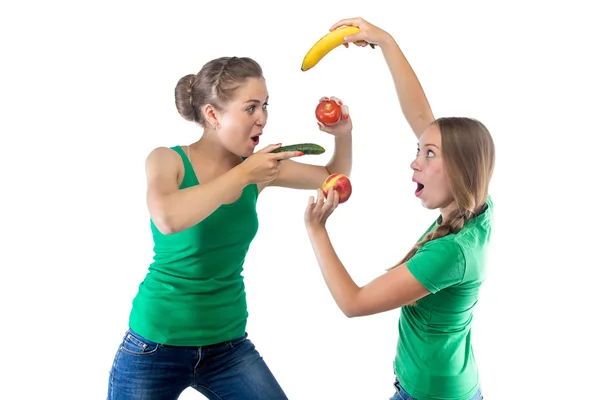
(87, 92)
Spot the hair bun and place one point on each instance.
(184, 97)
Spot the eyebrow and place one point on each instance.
(429, 144)
(255, 101)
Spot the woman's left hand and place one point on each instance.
(318, 211)
(343, 126)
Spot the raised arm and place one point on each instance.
(413, 102)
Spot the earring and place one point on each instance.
(215, 126)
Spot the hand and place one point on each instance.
(369, 34)
(316, 213)
(263, 166)
(343, 126)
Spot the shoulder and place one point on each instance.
(438, 264)
(447, 248)
(164, 154)
(164, 159)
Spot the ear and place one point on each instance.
(211, 115)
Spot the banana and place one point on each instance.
(324, 45)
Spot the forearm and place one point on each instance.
(341, 160)
(413, 101)
(187, 207)
(343, 289)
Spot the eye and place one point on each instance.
(430, 153)
(251, 109)
(265, 105)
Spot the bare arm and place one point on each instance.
(395, 288)
(174, 210)
(413, 102)
(297, 175)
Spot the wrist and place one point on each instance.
(316, 230)
(387, 41)
(240, 175)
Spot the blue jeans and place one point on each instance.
(230, 370)
(402, 395)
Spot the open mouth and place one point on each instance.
(255, 139)
(419, 190)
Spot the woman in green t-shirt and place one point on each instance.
(437, 283)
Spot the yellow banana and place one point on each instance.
(327, 43)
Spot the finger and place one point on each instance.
(284, 155)
(330, 197)
(269, 148)
(346, 45)
(344, 22)
(355, 38)
(336, 200)
(320, 198)
(324, 98)
(345, 112)
(336, 100)
(325, 128)
(309, 207)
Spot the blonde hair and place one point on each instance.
(469, 155)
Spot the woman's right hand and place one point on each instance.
(263, 166)
(369, 34)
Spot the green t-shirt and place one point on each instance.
(434, 358)
(194, 294)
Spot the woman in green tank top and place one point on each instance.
(437, 283)
(187, 326)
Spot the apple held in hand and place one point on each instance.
(341, 184)
(328, 112)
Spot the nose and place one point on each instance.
(415, 166)
(262, 118)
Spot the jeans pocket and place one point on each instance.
(137, 345)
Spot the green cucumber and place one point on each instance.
(306, 148)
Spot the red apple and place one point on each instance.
(328, 112)
(340, 183)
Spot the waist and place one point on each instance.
(186, 312)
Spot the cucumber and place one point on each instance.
(306, 148)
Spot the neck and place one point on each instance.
(211, 150)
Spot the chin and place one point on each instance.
(433, 205)
(247, 153)
(427, 205)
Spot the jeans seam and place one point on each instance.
(208, 389)
(112, 375)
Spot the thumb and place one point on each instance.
(269, 148)
(355, 37)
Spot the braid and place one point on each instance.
(454, 223)
(221, 78)
(190, 91)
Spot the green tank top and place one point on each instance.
(193, 293)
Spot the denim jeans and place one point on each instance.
(402, 395)
(230, 370)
